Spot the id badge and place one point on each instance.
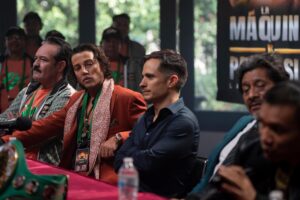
(82, 160)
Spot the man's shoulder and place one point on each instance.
(244, 120)
(125, 92)
(63, 87)
(59, 95)
(136, 47)
(77, 94)
(69, 89)
(190, 115)
(185, 115)
(136, 44)
(181, 109)
(239, 126)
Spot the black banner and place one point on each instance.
(247, 27)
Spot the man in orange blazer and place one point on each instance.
(94, 122)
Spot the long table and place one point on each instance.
(84, 188)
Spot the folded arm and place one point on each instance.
(174, 142)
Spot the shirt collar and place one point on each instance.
(173, 108)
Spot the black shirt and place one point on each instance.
(163, 151)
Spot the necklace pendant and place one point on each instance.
(83, 135)
(85, 130)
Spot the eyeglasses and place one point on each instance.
(87, 64)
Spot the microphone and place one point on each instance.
(19, 123)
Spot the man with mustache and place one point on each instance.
(47, 93)
(164, 142)
(279, 135)
(257, 75)
(95, 121)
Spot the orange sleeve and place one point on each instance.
(41, 130)
(44, 129)
(137, 107)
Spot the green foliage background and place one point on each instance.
(144, 15)
(62, 15)
(205, 12)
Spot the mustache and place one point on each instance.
(36, 68)
(255, 100)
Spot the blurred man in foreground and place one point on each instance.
(279, 130)
(257, 75)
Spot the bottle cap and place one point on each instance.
(276, 194)
(127, 159)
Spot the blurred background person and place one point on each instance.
(111, 44)
(15, 66)
(131, 49)
(54, 33)
(32, 25)
(70, 76)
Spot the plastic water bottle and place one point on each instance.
(276, 195)
(128, 182)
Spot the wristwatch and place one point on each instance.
(118, 139)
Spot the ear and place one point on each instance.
(173, 80)
(61, 65)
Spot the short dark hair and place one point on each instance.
(15, 30)
(98, 54)
(34, 16)
(272, 63)
(171, 62)
(285, 93)
(64, 53)
(111, 32)
(55, 33)
(122, 15)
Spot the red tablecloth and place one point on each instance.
(84, 188)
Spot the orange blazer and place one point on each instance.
(126, 107)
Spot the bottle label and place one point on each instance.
(128, 188)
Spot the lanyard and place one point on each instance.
(82, 122)
(117, 74)
(22, 81)
(29, 111)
